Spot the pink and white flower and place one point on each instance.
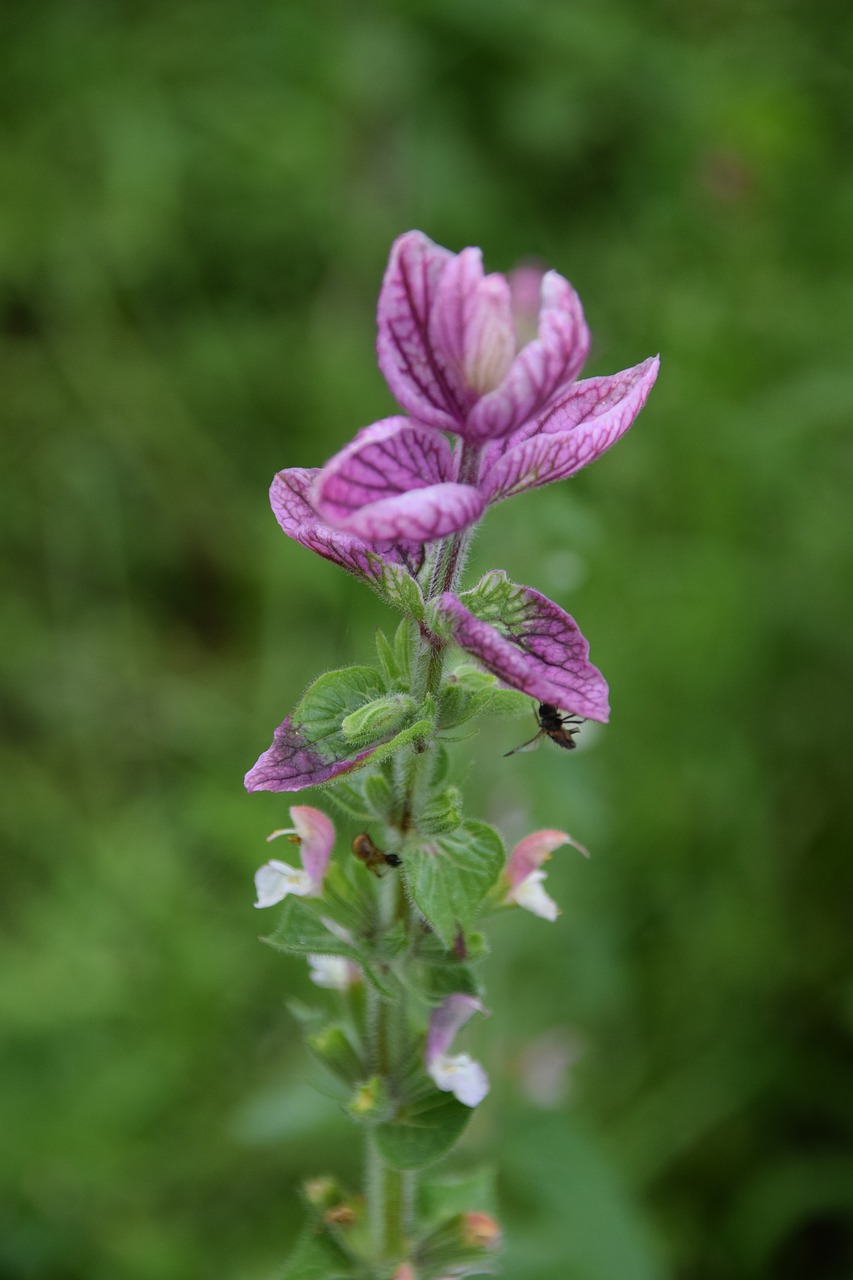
(456, 1073)
(314, 833)
(525, 877)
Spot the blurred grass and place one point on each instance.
(198, 202)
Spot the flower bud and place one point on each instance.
(382, 715)
(480, 1231)
(333, 1049)
(371, 1104)
(321, 1192)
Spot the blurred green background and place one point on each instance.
(198, 197)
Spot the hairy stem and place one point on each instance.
(391, 1194)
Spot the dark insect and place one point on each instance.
(376, 860)
(560, 727)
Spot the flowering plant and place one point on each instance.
(485, 368)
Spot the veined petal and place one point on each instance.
(529, 854)
(275, 880)
(295, 514)
(293, 763)
(541, 651)
(530, 895)
(541, 370)
(460, 1075)
(416, 373)
(421, 515)
(472, 325)
(316, 835)
(573, 433)
(386, 459)
(447, 1018)
(395, 482)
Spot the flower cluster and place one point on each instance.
(490, 415)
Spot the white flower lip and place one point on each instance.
(460, 1075)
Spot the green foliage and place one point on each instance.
(450, 875)
(328, 703)
(471, 1192)
(301, 932)
(333, 1048)
(423, 1131)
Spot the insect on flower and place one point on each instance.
(560, 727)
(376, 860)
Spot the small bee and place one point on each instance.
(559, 727)
(374, 859)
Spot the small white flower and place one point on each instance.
(460, 1075)
(275, 880)
(336, 973)
(530, 894)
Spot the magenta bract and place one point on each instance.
(543, 654)
(290, 500)
(293, 763)
(396, 481)
(579, 428)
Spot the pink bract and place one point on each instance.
(291, 503)
(543, 654)
(293, 763)
(396, 481)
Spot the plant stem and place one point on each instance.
(390, 1193)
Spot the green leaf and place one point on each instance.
(333, 1048)
(316, 1258)
(396, 586)
(448, 876)
(404, 650)
(442, 813)
(497, 600)
(433, 982)
(472, 1192)
(301, 932)
(379, 796)
(508, 702)
(334, 696)
(349, 798)
(422, 1133)
(388, 663)
(470, 691)
(337, 698)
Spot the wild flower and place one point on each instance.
(484, 368)
(455, 1073)
(314, 834)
